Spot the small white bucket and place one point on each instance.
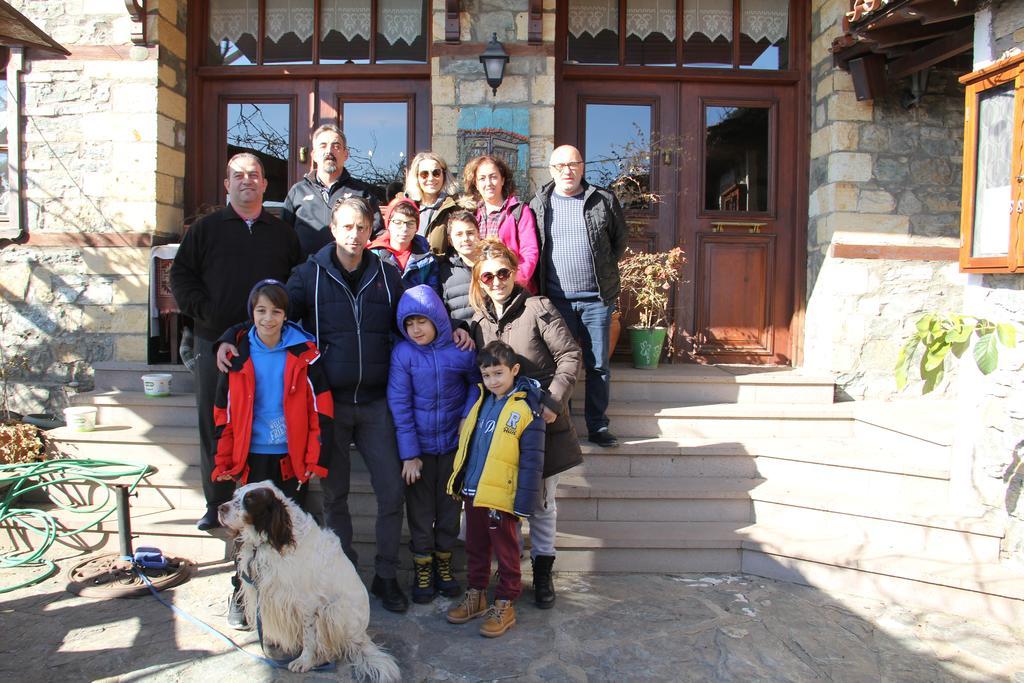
(158, 384)
(80, 418)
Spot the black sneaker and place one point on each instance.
(390, 594)
(236, 614)
(603, 438)
(209, 520)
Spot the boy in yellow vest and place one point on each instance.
(497, 472)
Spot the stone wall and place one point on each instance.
(880, 174)
(103, 150)
(458, 81)
(993, 406)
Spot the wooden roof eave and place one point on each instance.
(16, 30)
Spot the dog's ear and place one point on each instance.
(269, 516)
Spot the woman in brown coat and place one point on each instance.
(535, 330)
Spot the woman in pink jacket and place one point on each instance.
(489, 182)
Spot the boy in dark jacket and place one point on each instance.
(428, 383)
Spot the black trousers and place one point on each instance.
(433, 514)
(206, 374)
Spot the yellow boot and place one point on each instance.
(474, 603)
(499, 618)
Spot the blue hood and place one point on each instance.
(291, 334)
(422, 300)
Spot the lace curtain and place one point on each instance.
(398, 20)
(759, 20)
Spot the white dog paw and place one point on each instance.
(301, 664)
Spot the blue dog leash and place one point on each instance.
(275, 663)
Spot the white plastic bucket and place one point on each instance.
(80, 418)
(157, 384)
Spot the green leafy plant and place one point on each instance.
(647, 279)
(940, 335)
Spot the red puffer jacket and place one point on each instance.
(308, 413)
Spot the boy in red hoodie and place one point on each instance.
(400, 246)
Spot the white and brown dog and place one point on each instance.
(306, 591)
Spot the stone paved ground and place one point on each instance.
(604, 628)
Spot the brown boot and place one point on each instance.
(474, 603)
(499, 618)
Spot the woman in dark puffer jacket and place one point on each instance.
(535, 330)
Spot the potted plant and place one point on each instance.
(19, 442)
(647, 281)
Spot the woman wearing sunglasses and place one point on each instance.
(431, 185)
(547, 352)
(489, 182)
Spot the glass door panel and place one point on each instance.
(736, 158)
(385, 124)
(263, 129)
(378, 140)
(617, 150)
(270, 119)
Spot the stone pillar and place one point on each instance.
(883, 218)
(457, 79)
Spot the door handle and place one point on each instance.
(303, 154)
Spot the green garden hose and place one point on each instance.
(19, 479)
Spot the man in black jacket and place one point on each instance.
(582, 235)
(220, 258)
(309, 202)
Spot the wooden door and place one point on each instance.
(737, 221)
(723, 163)
(614, 129)
(269, 118)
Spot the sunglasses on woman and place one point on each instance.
(435, 172)
(503, 275)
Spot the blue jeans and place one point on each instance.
(590, 322)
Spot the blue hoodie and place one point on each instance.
(428, 385)
(269, 433)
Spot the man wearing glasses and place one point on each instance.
(308, 205)
(582, 235)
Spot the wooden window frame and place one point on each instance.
(978, 82)
(314, 65)
(733, 71)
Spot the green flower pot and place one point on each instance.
(646, 343)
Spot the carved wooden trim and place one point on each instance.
(452, 28)
(535, 23)
(137, 12)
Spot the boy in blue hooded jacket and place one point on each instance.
(428, 384)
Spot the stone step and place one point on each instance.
(133, 408)
(867, 534)
(128, 376)
(726, 421)
(702, 384)
(681, 382)
(864, 504)
(829, 479)
(959, 585)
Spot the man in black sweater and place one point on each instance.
(220, 258)
(310, 201)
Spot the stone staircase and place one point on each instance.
(721, 469)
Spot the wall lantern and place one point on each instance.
(494, 60)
